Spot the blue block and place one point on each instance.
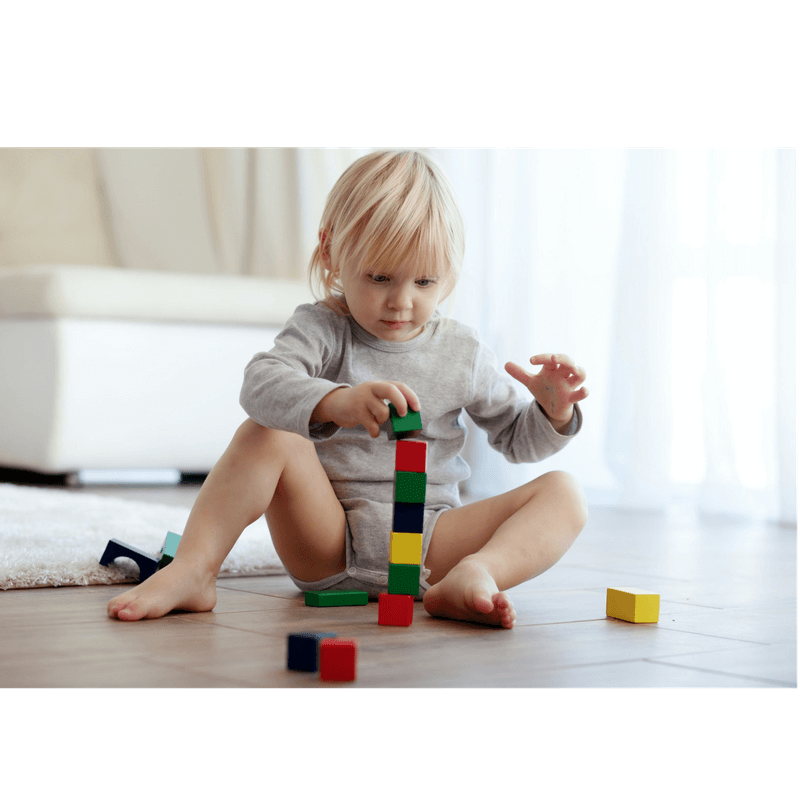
(303, 650)
(408, 517)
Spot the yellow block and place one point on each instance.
(405, 548)
(632, 605)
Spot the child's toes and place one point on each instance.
(132, 611)
(114, 607)
(505, 610)
(481, 601)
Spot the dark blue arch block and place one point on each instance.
(115, 549)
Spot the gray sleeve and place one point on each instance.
(516, 425)
(283, 386)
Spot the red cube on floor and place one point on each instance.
(337, 659)
(395, 609)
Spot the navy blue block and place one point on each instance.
(116, 549)
(303, 650)
(408, 517)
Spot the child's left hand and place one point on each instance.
(555, 387)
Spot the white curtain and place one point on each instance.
(670, 277)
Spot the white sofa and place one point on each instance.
(104, 368)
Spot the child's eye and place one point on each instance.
(425, 282)
(378, 278)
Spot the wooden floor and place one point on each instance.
(728, 619)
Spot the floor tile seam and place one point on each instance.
(771, 681)
(715, 636)
(154, 661)
(210, 623)
(260, 594)
(634, 573)
(518, 624)
(664, 628)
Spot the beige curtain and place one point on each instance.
(249, 211)
(50, 208)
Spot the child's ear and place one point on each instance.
(325, 248)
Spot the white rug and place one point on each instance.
(54, 537)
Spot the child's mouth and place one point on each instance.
(395, 326)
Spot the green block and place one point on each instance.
(167, 551)
(404, 579)
(404, 427)
(336, 598)
(409, 487)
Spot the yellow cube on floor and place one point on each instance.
(632, 605)
(405, 548)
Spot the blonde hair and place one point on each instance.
(391, 212)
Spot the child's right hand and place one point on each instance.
(364, 405)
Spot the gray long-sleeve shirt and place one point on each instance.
(448, 368)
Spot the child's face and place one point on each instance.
(393, 309)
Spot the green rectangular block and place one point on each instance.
(404, 427)
(404, 579)
(409, 487)
(336, 598)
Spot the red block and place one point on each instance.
(395, 609)
(411, 456)
(337, 659)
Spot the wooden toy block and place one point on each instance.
(411, 456)
(405, 548)
(167, 551)
(395, 609)
(338, 659)
(302, 650)
(404, 427)
(632, 605)
(117, 549)
(408, 517)
(409, 487)
(336, 598)
(404, 579)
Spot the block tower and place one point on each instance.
(396, 606)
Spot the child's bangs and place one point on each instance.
(397, 251)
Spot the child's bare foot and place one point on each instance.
(173, 587)
(468, 592)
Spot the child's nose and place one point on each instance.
(400, 298)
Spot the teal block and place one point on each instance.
(336, 598)
(404, 427)
(404, 579)
(167, 551)
(409, 487)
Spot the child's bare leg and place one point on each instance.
(480, 550)
(262, 471)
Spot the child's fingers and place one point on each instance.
(377, 410)
(410, 396)
(372, 426)
(516, 372)
(384, 390)
(553, 360)
(577, 377)
(401, 397)
(580, 394)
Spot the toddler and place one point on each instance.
(314, 456)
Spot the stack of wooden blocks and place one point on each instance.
(396, 606)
